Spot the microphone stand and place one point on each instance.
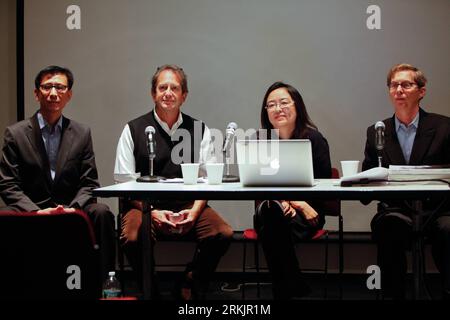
(151, 177)
(379, 140)
(228, 177)
(379, 150)
(379, 161)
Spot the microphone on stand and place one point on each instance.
(231, 128)
(379, 139)
(149, 132)
(229, 138)
(151, 148)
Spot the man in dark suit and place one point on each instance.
(48, 163)
(412, 137)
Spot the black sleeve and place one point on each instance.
(11, 185)
(370, 155)
(321, 155)
(370, 152)
(322, 168)
(89, 178)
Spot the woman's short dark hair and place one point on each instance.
(54, 70)
(302, 122)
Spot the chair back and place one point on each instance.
(46, 256)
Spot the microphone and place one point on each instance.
(379, 136)
(379, 140)
(232, 126)
(151, 144)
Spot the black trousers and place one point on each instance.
(210, 231)
(278, 235)
(104, 228)
(392, 232)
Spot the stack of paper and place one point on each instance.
(374, 175)
(408, 173)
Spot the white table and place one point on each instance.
(324, 189)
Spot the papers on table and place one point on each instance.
(409, 173)
(374, 175)
(399, 174)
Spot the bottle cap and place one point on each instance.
(112, 273)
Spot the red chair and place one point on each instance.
(333, 208)
(38, 251)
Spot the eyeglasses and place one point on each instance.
(284, 106)
(405, 85)
(47, 87)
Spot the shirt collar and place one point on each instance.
(165, 126)
(43, 123)
(414, 124)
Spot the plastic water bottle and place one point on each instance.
(111, 287)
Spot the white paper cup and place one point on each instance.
(190, 172)
(214, 172)
(349, 167)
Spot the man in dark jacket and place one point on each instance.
(48, 163)
(412, 137)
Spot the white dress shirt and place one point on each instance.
(125, 165)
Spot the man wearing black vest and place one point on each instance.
(201, 222)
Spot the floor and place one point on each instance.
(228, 286)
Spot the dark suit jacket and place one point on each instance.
(431, 144)
(25, 180)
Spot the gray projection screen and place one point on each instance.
(337, 53)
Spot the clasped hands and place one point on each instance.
(162, 220)
(58, 208)
(290, 209)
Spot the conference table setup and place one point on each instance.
(194, 139)
(323, 189)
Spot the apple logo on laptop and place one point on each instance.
(274, 166)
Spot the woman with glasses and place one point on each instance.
(280, 224)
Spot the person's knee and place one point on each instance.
(228, 233)
(390, 227)
(270, 215)
(224, 232)
(101, 210)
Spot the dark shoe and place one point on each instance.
(184, 288)
(189, 287)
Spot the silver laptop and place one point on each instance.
(275, 162)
